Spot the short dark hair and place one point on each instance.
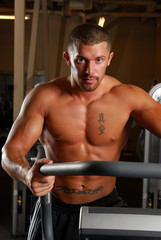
(88, 34)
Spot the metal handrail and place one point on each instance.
(104, 168)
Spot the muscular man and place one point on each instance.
(85, 116)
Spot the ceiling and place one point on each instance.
(90, 9)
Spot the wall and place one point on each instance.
(55, 49)
(133, 44)
(6, 45)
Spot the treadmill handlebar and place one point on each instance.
(103, 168)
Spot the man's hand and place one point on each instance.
(37, 182)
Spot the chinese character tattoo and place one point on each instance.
(101, 127)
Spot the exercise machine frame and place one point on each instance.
(93, 168)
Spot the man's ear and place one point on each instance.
(66, 57)
(110, 58)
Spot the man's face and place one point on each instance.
(88, 64)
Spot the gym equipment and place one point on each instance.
(23, 200)
(151, 194)
(106, 168)
(119, 222)
(103, 168)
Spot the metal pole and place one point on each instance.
(45, 37)
(46, 218)
(32, 50)
(19, 28)
(14, 208)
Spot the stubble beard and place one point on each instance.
(88, 87)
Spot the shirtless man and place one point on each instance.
(85, 116)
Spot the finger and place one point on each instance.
(40, 178)
(42, 162)
(41, 183)
(40, 191)
(44, 188)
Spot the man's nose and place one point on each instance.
(90, 67)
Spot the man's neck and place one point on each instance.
(87, 96)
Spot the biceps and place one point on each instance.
(25, 131)
(150, 118)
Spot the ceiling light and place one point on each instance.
(101, 21)
(12, 17)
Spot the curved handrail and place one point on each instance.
(104, 168)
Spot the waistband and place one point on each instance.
(104, 201)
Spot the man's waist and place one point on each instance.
(79, 190)
(101, 201)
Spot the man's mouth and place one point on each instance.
(90, 80)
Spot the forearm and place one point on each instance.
(15, 164)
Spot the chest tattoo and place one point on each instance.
(101, 122)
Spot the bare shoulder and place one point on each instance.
(57, 86)
(131, 95)
(49, 90)
(129, 91)
(40, 97)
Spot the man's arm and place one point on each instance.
(145, 110)
(25, 131)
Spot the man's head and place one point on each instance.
(88, 34)
(88, 54)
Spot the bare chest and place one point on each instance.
(99, 123)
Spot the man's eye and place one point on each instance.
(99, 60)
(80, 60)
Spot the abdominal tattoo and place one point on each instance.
(67, 190)
(101, 122)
